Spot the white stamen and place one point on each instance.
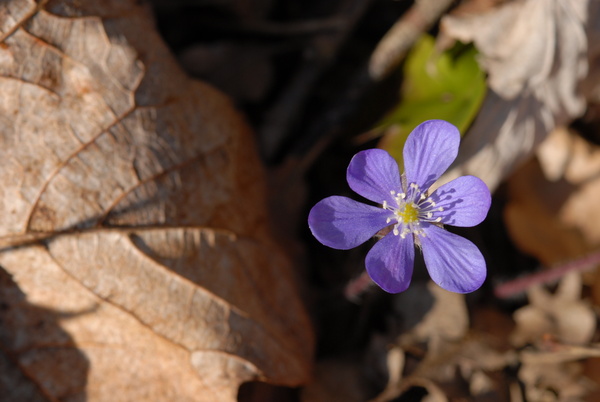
(405, 232)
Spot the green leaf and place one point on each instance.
(448, 86)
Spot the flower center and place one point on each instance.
(412, 207)
(410, 214)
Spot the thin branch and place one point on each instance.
(520, 285)
(402, 36)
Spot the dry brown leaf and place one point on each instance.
(577, 162)
(552, 213)
(535, 55)
(153, 276)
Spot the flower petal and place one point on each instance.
(390, 263)
(466, 201)
(373, 173)
(429, 150)
(342, 223)
(453, 262)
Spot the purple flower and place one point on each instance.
(414, 216)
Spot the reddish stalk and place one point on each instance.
(520, 285)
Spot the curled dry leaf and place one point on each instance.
(137, 263)
(446, 323)
(553, 372)
(563, 315)
(450, 349)
(535, 55)
(472, 358)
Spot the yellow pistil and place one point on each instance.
(410, 213)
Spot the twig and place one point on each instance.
(399, 39)
(520, 285)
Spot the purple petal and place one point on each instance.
(342, 223)
(466, 201)
(453, 262)
(429, 151)
(373, 173)
(390, 263)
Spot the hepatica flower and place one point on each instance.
(412, 215)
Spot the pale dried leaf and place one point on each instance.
(444, 328)
(591, 85)
(395, 360)
(446, 322)
(156, 277)
(472, 356)
(555, 153)
(569, 157)
(562, 314)
(556, 375)
(480, 383)
(522, 57)
(535, 55)
(434, 392)
(549, 383)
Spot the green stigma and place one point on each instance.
(410, 213)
